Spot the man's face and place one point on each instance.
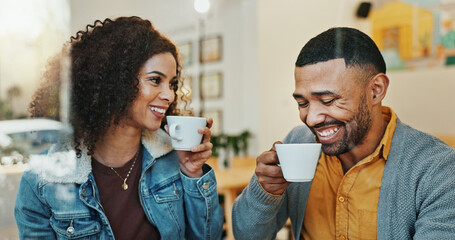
(332, 103)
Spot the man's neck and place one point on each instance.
(367, 146)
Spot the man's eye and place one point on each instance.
(327, 102)
(302, 104)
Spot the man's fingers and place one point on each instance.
(273, 146)
(273, 171)
(267, 158)
(269, 174)
(271, 180)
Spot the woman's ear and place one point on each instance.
(378, 87)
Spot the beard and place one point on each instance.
(355, 131)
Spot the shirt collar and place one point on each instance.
(389, 116)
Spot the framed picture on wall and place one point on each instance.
(210, 49)
(216, 115)
(186, 53)
(211, 85)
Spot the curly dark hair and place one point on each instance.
(105, 61)
(46, 99)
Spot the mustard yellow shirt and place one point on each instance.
(344, 206)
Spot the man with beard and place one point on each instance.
(377, 178)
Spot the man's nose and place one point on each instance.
(315, 115)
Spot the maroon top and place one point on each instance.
(123, 207)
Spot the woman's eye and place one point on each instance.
(173, 83)
(156, 80)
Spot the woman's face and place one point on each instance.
(157, 78)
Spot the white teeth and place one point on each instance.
(328, 133)
(158, 110)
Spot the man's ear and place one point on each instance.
(378, 87)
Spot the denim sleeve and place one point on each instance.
(32, 215)
(258, 215)
(204, 216)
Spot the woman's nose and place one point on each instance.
(167, 94)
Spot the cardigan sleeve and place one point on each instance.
(435, 200)
(259, 215)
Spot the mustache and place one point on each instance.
(323, 124)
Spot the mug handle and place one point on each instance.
(172, 132)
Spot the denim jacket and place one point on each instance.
(58, 197)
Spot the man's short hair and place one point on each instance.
(355, 47)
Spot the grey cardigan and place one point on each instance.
(416, 201)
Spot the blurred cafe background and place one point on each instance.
(238, 67)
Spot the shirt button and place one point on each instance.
(83, 191)
(342, 237)
(206, 185)
(341, 199)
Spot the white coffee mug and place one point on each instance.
(298, 161)
(184, 131)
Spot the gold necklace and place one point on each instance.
(124, 185)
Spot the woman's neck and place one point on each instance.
(118, 145)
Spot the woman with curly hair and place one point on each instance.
(119, 177)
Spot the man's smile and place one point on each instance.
(328, 132)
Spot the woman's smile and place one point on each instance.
(159, 112)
